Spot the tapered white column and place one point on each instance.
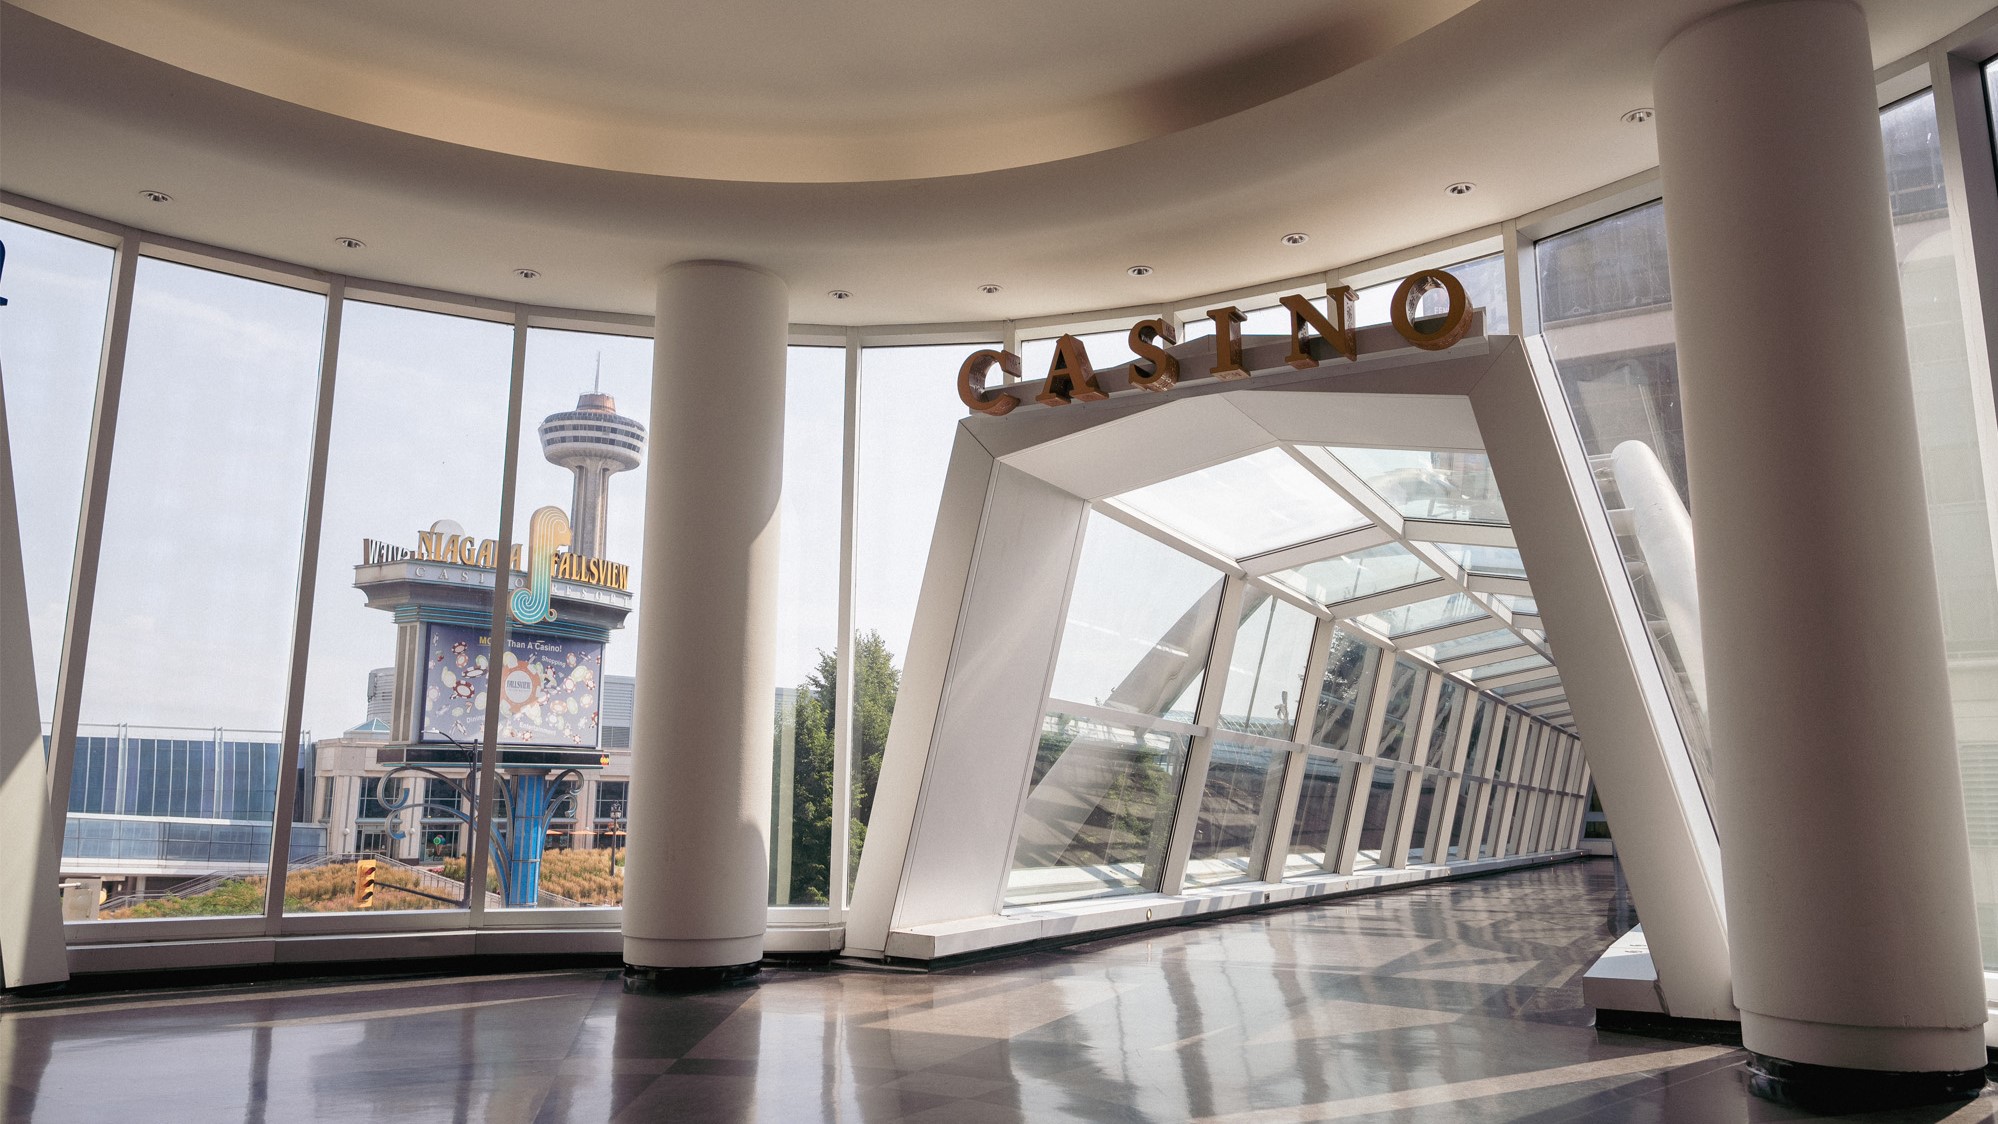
(697, 877)
(1850, 923)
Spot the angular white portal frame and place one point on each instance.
(940, 842)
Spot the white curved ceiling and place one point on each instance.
(1042, 145)
(767, 90)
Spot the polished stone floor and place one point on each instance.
(1457, 1002)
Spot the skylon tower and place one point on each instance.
(593, 441)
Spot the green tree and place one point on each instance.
(876, 681)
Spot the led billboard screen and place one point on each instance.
(549, 688)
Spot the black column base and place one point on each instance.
(1836, 1089)
(642, 980)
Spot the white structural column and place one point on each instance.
(1851, 930)
(699, 814)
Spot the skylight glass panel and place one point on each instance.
(1437, 612)
(1246, 506)
(1507, 667)
(1362, 573)
(1472, 645)
(1426, 484)
(1498, 561)
(1520, 606)
(1527, 688)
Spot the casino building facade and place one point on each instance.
(1362, 445)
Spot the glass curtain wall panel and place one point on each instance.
(1426, 484)
(1595, 824)
(1407, 687)
(1246, 506)
(1481, 794)
(1520, 840)
(1437, 612)
(1361, 573)
(1378, 798)
(416, 453)
(1495, 819)
(801, 814)
(1606, 310)
(1425, 800)
(1443, 732)
(1467, 803)
(1507, 667)
(1475, 644)
(1266, 673)
(1317, 808)
(1100, 800)
(1237, 803)
(909, 412)
(1499, 561)
(1349, 669)
(57, 290)
(1484, 283)
(585, 420)
(1959, 441)
(1099, 810)
(1140, 646)
(197, 584)
(1606, 304)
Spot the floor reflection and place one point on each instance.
(1459, 1001)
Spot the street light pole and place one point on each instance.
(616, 813)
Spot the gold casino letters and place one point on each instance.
(1070, 378)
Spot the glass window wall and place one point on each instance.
(1317, 813)
(1343, 693)
(1099, 810)
(801, 815)
(57, 289)
(1237, 804)
(1266, 669)
(420, 401)
(197, 581)
(1137, 646)
(387, 756)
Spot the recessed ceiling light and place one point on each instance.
(840, 295)
(155, 196)
(1140, 271)
(988, 288)
(350, 243)
(1639, 116)
(1461, 188)
(527, 274)
(1296, 239)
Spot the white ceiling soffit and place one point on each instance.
(773, 91)
(463, 141)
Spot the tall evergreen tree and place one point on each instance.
(876, 681)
